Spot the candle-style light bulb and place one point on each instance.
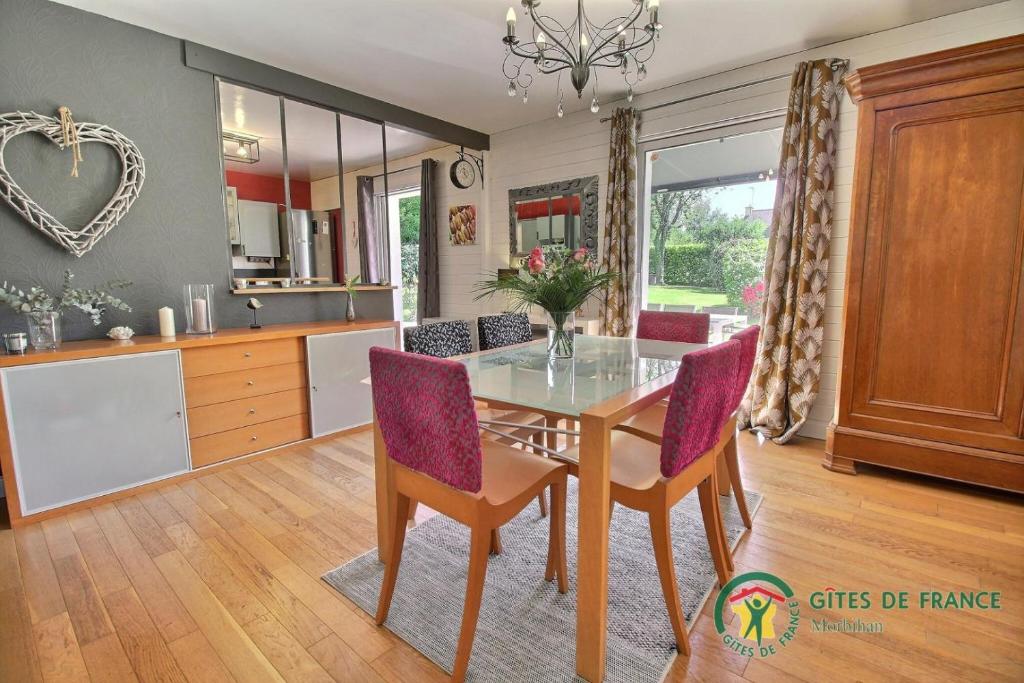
(511, 88)
(653, 4)
(595, 106)
(641, 73)
(584, 42)
(561, 111)
(542, 41)
(510, 22)
(629, 93)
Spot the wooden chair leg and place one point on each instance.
(556, 540)
(412, 511)
(661, 536)
(732, 464)
(720, 521)
(706, 494)
(723, 474)
(387, 589)
(495, 542)
(538, 438)
(480, 545)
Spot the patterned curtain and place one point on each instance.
(366, 220)
(619, 240)
(787, 368)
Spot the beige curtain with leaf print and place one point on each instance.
(619, 238)
(787, 369)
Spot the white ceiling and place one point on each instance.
(312, 136)
(443, 57)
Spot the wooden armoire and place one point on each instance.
(932, 374)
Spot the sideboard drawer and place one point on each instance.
(229, 386)
(220, 417)
(210, 360)
(236, 442)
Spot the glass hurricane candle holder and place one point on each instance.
(199, 309)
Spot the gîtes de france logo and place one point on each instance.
(766, 613)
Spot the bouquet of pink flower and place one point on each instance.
(556, 280)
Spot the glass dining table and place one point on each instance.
(608, 380)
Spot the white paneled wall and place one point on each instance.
(577, 145)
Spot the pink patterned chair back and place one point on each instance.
(693, 328)
(697, 405)
(427, 416)
(748, 349)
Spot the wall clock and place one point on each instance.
(463, 170)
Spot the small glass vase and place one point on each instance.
(199, 309)
(44, 329)
(350, 308)
(561, 334)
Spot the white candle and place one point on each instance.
(166, 321)
(199, 318)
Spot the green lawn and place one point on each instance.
(682, 295)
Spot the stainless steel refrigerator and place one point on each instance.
(306, 248)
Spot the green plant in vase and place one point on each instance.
(558, 281)
(350, 289)
(43, 310)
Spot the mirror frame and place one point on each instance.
(586, 187)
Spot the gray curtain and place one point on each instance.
(428, 298)
(369, 268)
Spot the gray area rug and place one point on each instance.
(527, 630)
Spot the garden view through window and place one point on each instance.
(709, 212)
(407, 204)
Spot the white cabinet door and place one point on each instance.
(257, 223)
(83, 428)
(339, 378)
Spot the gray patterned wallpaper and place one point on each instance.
(135, 81)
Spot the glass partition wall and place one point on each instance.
(305, 192)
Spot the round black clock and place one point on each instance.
(462, 173)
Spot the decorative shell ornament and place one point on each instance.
(121, 333)
(65, 133)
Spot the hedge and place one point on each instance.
(691, 264)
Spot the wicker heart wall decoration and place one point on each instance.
(133, 172)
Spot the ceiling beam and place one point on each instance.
(248, 72)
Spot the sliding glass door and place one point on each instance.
(706, 214)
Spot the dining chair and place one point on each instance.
(452, 338)
(648, 423)
(653, 478)
(694, 328)
(505, 329)
(427, 418)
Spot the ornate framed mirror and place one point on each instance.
(563, 213)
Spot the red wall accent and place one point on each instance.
(265, 188)
(538, 209)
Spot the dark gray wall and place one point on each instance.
(135, 81)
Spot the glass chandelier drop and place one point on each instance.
(581, 48)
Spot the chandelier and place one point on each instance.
(581, 48)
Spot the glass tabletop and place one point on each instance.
(603, 368)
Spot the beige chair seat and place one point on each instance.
(507, 472)
(635, 462)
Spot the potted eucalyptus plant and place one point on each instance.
(43, 310)
(557, 280)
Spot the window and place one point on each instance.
(709, 208)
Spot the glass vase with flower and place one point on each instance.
(557, 280)
(43, 311)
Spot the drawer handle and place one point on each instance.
(248, 354)
(254, 437)
(251, 382)
(252, 411)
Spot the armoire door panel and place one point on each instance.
(940, 329)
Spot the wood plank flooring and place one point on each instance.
(218, 578)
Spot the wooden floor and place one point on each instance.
(217, 578)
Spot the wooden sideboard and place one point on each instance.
(932, 374)
(99, 419)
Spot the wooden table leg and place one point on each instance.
(551, 438)
(385, 491)
(592, 551)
